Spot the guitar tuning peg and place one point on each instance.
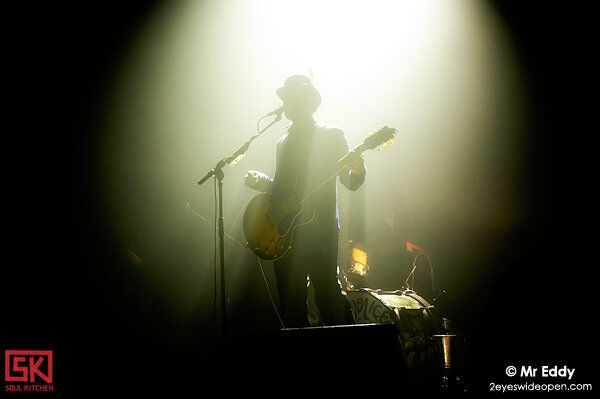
(384, 145)
(378, 148)
(370, 134)
(391, 142)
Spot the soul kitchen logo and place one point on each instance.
(28, 370)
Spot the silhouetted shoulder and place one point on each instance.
(335, 138)
(331, 129)
(333, 132)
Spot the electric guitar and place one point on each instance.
(269, 222)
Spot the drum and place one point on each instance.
(417, 324)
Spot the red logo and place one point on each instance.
(28, 366)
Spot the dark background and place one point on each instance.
(537, 307)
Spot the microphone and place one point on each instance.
(277, 111)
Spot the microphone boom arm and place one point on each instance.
(238, 154)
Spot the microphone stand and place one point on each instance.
(218, 174)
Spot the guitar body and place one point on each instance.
(269, 234)
(269, 223)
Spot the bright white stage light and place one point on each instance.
(443, 73)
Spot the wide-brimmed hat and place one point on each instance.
(300, 86)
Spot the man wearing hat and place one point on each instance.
(307, 151)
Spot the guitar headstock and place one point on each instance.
(374, 140)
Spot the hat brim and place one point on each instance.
(288, 92)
